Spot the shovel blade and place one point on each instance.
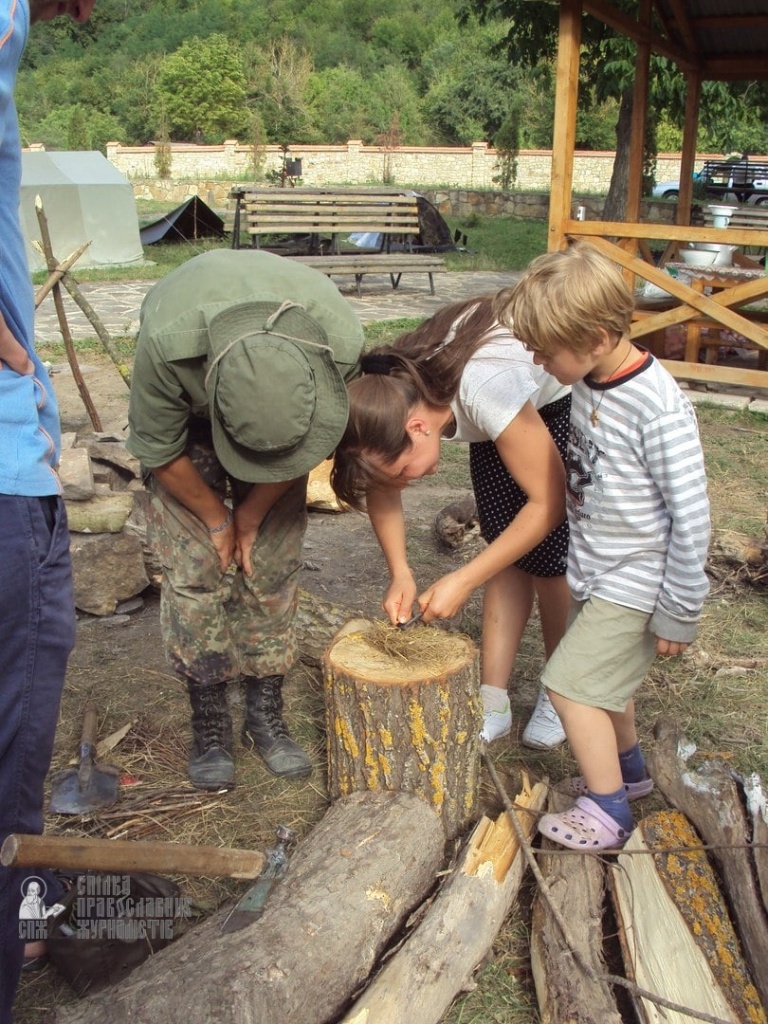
(70, 796)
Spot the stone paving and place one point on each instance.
(118, 305)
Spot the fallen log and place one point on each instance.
(676, 935)
(317, 623)
(348, 889)
(438, 958)
(757, 809)
(710, 799)
(576, 887)
(403, 713)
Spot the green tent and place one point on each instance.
(85, 199)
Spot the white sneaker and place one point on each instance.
(496, 724)
(544, 730)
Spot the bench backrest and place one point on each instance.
(290, 211)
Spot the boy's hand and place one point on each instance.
(669, 648)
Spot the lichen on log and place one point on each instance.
(406, 717)
(677, 937)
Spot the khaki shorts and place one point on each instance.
(604, 656)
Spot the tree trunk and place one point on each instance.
(406, 717)
(710, 799)
(615, 208)
(348, 889)
(677, 938)
(437, 960)
(577, 886)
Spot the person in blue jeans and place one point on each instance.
(37, 602)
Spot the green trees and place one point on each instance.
(329, 70)
(201, 89)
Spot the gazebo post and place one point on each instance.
(564, 135)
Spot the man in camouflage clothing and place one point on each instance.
(238, 391)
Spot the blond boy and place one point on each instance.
(639, 527)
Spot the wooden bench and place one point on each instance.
(394, 264)
(323, 215)
(315, 221)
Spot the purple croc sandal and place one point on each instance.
(584, 826)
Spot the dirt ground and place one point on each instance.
(119, 663)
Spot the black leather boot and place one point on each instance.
(265, 731)
(210, 759)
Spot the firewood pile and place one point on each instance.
(687, 897)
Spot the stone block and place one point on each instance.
(76, 474)
(108, 568)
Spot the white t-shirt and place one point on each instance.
(497, 382)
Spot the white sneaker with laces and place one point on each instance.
(544, 730)
(496, 724)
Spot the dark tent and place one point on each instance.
(193, 219)
(434, 234)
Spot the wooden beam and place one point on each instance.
(730, 21)
(715, 374)
(564, 138)
(693, 301)
(626, 26)
(683, 23)
(679, 232)
(730, 67)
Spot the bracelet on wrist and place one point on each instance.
(222, 526)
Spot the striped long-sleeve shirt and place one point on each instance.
(637, 499)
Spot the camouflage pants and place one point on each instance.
(218, 626)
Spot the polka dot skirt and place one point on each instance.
(499, 498)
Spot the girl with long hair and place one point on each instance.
(461, 375)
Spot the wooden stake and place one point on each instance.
(50, 259)
(58, 273)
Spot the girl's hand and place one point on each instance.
(445, 598)
(398, 601)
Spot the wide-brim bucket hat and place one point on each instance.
(278, 403)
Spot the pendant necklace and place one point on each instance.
(594, 417)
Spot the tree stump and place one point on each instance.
(403, 712)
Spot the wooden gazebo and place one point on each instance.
(708, 40)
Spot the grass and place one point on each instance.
(493, 244)
(496, 243)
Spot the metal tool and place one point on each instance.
(412, 621)
(89, 786)
(251, 906)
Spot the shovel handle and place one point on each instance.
(90, 730)
(122, 855)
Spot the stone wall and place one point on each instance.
(474, 167)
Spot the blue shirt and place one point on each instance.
(29, 415)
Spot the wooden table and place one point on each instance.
(707, 281)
